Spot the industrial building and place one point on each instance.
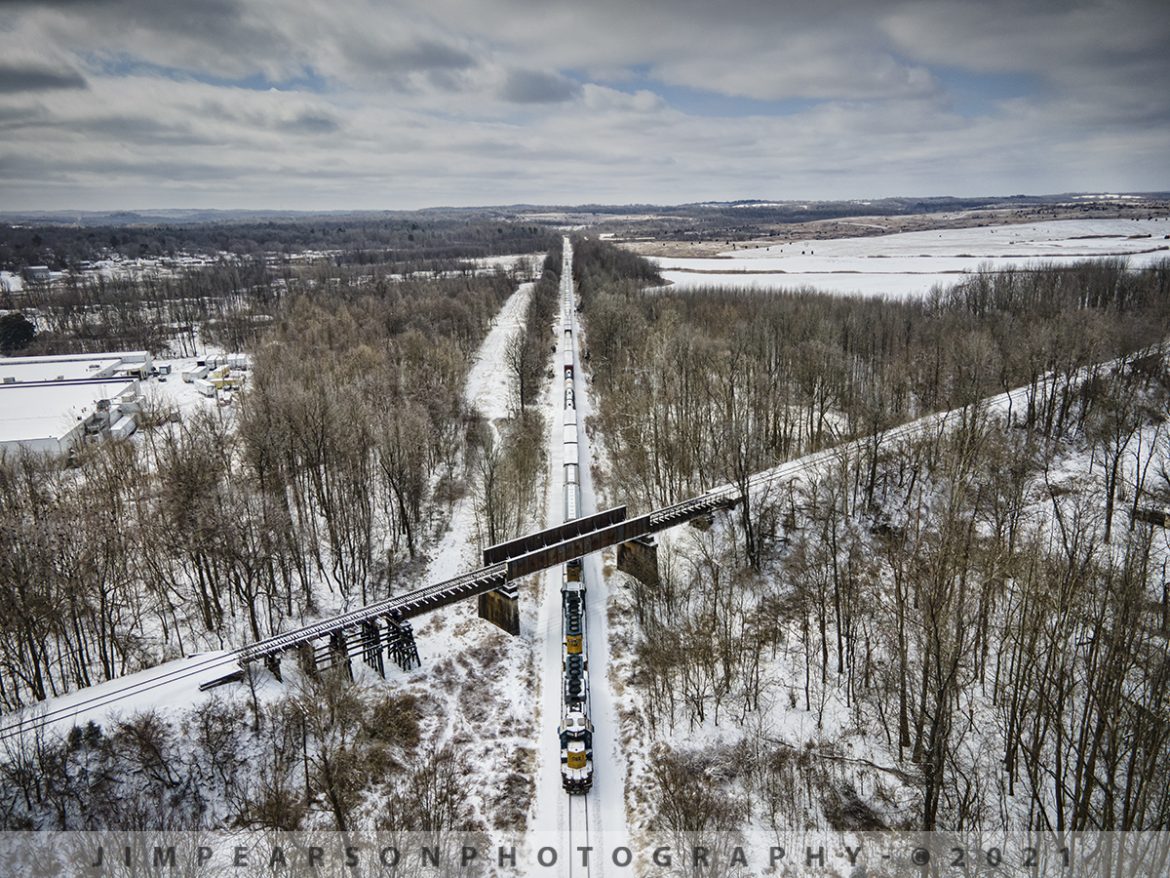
(53, 404)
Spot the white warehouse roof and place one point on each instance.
(71, 367)
(51, 411)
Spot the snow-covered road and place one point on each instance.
(488, 391)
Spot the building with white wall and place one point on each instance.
(52, 404)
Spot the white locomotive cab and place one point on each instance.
(576, 734)
(575, 726)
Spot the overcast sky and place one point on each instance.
(411, 103)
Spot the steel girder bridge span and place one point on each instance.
(383, 627)
(382, 630)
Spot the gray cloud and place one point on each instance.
(20, 168)
(17, 78)
(312, 123)
(429, 55)
(670, 100)
(66, 4)
(140, 130)
(536, 87)
(402, 64)
(228, 38)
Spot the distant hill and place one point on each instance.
(776, 210)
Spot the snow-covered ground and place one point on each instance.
(489, 383)
(911, 263)
(446, 634)
(173, 685)
(172, 393)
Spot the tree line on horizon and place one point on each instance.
(365, 240)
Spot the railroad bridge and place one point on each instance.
(383, 630)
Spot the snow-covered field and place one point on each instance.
(911, 263)
(528, 262)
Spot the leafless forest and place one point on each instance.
(981, 611)
(322, 489)
(964, 629)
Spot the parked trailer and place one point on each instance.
(195, 373)
(124, 427)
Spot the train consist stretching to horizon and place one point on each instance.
(576, 728)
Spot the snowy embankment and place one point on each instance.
(911, 263)
(171, 686)
(489, 392)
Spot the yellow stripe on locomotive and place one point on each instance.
(573, 644)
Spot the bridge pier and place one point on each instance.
(400, 644)
(307, 659)
(372, 646)
(272, 662)
(639, 558)
(339, 652)
(501, 607)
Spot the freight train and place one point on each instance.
(576, 729)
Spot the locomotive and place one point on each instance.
(576, 729)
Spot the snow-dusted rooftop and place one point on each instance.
(44, 399)
(50, 411)
(70, 367)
